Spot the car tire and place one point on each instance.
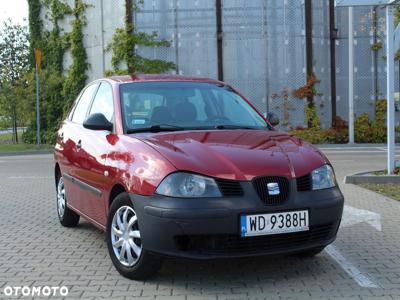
(310, 252)
(134, 262)
(67, 217)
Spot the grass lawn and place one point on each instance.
(22, 147)
(388, 189)
(6, 144)
(7, 137)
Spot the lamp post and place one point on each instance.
(38, 58)
(351, 76)
(390, 89)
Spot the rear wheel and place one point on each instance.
(67, 217)
(125, 243)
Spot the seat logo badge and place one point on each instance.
(273, 189)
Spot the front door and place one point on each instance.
(91, 175)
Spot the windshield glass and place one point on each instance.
(185, 105)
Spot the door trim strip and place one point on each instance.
(83, 185)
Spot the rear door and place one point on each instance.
(91, 172)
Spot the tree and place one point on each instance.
(125, 42)
(35, 28)
(76, 77)
(59, 86)
(14, 63)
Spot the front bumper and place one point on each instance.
(209, 227)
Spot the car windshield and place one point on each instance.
(185, 105)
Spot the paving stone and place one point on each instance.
(36, 250)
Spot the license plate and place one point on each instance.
(282, 222)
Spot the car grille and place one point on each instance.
(230, 188)
(260, 184)
(231, 244)
(304, 183)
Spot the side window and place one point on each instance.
(103, 102)
(83, 104)
(72, 110)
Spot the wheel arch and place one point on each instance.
(115, 191)
(57, 173)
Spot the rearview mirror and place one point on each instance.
(97, 122)
(273, 119)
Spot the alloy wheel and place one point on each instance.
(61, 202)
(125, 236)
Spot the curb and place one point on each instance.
(21, 153)
(363, 178)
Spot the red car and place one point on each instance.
(173, 166)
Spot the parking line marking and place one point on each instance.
(352, 148)
(353, 216)
(342, 160)
(361, 279)
(30, 177)
(352, 151)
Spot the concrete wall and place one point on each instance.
(102, 18)
(263, 46)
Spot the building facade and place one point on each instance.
(258, 46)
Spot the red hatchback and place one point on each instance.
(173, 166)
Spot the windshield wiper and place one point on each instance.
(156, 128)
(233, 127)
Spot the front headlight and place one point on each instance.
(186, 185)
(323, 178)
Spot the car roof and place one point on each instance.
(159, 77)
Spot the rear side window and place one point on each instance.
(83, 104)
(103, 102)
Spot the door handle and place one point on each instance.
(79, 145)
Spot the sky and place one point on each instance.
(16, 10)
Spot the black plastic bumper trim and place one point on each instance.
(185, 213)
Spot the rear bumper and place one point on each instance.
(210, 228)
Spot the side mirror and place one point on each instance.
(273, 119)
(97, 122)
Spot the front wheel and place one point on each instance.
(125, 243)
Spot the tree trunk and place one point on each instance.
(129, 30)
(309, 50)
(14, 125)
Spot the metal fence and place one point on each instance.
(369, 60)
(264, 52)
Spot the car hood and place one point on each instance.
(236, 154)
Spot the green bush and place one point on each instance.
(47, 137)
(367, 131)
(322, 136)
(338, 134)
(362, 129)
(29, 136)
(311, 135)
